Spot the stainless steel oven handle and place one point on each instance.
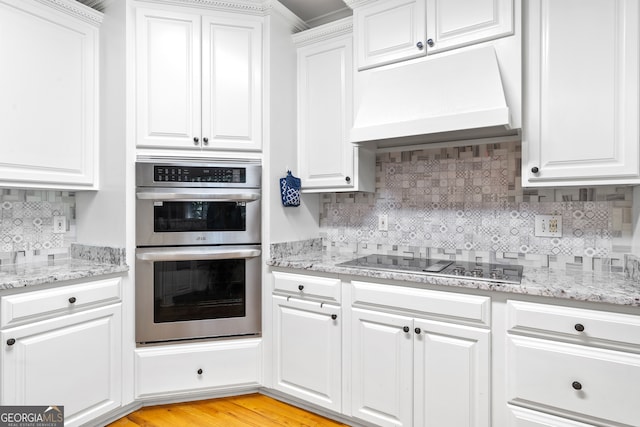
(240, 197)
(198, 254)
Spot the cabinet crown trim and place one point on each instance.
(337, 28)
(256, 7)
(357, 3)
(76, 10)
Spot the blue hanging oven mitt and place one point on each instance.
(290, 190)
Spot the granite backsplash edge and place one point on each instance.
(101, 254)
(316, 245)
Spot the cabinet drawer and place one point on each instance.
(521, 417)
(36, 305)
(582, 325)
(307, 286)
(574, 379)
(187, 368)
(448, 305)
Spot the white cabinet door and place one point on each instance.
(168, 79)
(389, 31)
(581, 93)
(325, 155)
(73, 360)
(382, 368)
(307, 339)
(397, 30)
(231, 84)
(452, 372)
(49, 97)
(456, 23)
(198, 81)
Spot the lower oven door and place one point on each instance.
(197, 292)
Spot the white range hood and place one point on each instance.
(457, 96)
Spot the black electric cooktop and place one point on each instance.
(499, 273)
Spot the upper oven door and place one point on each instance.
(197, 216)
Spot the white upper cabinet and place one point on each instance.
(327, 161)
(581, 93)
(168, 83)
(49, 94)
(389, 31)
(396, 30)
(456, 23)
(198, 80)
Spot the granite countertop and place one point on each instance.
(612, 288)
(84, 262)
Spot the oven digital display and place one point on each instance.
(199, 174)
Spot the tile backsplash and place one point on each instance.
(468, 203)
(26, 224)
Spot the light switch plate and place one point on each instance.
(59, 224)
(548, 226)
(383, 222)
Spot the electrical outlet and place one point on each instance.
(383, 222)
(59, 224)
(548, 226)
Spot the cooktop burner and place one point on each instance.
(501, 273)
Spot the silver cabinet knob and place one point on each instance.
(430, 42)
(196, 140)
(205, 140)
(419, 45)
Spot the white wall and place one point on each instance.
(635, 246)
(101, 214)
(292, 223)
(106, 217)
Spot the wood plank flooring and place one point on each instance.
(253, 410)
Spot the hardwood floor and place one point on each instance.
(253, 410)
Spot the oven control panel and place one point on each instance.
(199, 174)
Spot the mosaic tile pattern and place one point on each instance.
(26, 224)
(467, 202)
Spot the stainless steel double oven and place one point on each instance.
(198, 250)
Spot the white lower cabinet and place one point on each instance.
(197, 368)
(411, 371)
(521, 417)
(307, 331)
(382, 368)
(63, 346)
(578, 364)
(73, 360)
(307, 342)
(451, 375)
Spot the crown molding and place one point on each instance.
(253, 7)
(275, 7)
(331, 30)
(76, 10)
(357, 3)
